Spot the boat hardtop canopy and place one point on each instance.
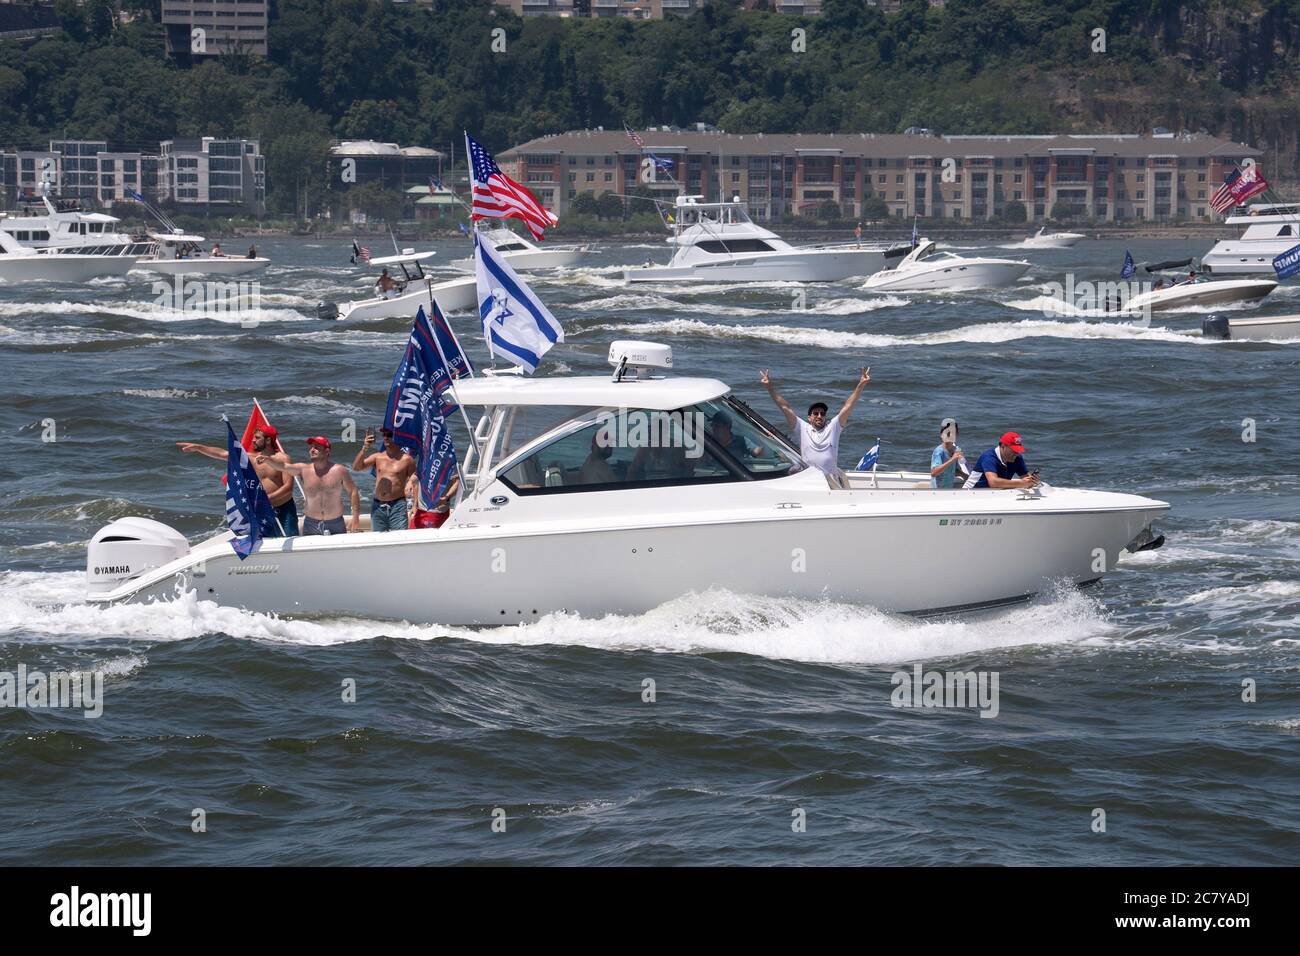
(175, 238)
(405, 256)
(590, 391)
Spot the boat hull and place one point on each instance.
(957, 277)
(561, 258)
(472, 575)
(1202, 294)
(227, 266)
(62, 268)
(453, 295)
(1274, 328)
(809, 265)
(1239, 257)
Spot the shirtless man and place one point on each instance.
(386, 285)
(322, 480)
(393, 467)
(278, 485)
(216, 251)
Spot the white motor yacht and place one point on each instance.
(61, 225)
(523, 254)
(1199, 291)
(21, 264)
(925, 269)
(611, 495)
(412, 290)
(1270, 229)
(180, 254)
(1043, 239)
(718, 242)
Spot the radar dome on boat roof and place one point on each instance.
(640, 354)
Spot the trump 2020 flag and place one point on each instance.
(516, 325)
(248, 510)
(433, 357)
(437, 462)
(870, 459)
(1287, 264)
(1129, 268)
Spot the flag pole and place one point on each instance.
(279, 447)
(268, 499)
(435, 311)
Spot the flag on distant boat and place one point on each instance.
(463, 228)
(435, 185)
(516, 325)
(915, 238)
(1129, 269)
(1287, 264)
(433, 357)
(248, 510)
(359, 252)
(870, 459)
(631, 134)
(437, 459)
(1237, 188)
(662, 163)
(135, 195)
(494, 195)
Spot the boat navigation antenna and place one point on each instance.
(642, 356)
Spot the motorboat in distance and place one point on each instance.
(412, 290)
(1043, 239)
(525, 255)
(1269, 329)
(718, 242)
(179, 255)
(602, 495)
(1195, 290)
(1271, 229)
(21, 264)
(925, 269)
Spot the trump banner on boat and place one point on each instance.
(249, 514)
(437, 462)
(516, 325)
(1287, 264)
(433, 357)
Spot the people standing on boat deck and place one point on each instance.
(999, 466)
(278, 485)
(947, 463)
(393, 466)
(437, 517)
(857, 233)
(322, 480)
(386, 284)
(216, 251)
(819, 436)
(252, 252)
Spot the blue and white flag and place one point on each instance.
(463, 228)
(1287, 264)
(870, 459)
(249, 513)
(135, 195)
(516, 325)
(1129, 268)
(423, 369)
(915, 237)
(437, 464)
(662, 163)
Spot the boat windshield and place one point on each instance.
(713, 442)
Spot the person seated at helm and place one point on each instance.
(596, 470)
(736, 446)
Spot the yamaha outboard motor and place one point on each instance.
(327, 310)
(1216, 327)
(127, 548)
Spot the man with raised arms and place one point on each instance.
(819, 436)
(322, 480)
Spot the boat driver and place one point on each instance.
(322, 480)
(386, 284)
(818, 436)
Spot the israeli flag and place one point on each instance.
(1129, 268)
(870, 459)
(248, 510)
(516, 325)
(915, 235)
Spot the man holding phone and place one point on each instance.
(393, 468)
(1002, 466)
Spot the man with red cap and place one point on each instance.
(1002, 466)
(322, 480)
(278, 485)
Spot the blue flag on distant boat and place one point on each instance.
(249, 513)
(662, 162)
(437, 458)
(915, 238)
(423, 368)
(1129, 269)
(135, 195)
(1288, 263)
(463, 228)
(871, 458)
(516, 325)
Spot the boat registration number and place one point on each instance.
(968, 522)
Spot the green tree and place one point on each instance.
(584, 204)
(873, 207)
(1014, 212)
(609, 206)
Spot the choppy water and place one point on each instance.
(1126, 698)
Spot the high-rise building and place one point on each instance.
(212, 171)
(211, 27)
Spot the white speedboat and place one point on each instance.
(925, 269)
(1200, 291)
(1043, 239)
(1270, 230)
(548, 522)
(20, 264)
(717, 242)
(178, 255)
(523, 254)
(1272, 328)
(61, 225)
(412, 290)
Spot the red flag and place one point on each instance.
(256, 421)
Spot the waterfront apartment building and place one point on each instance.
(212, 27)
(1103, 177)
(210, 171)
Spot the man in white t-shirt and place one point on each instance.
(818, 437)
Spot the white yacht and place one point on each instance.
(925, 269)
(1043, 239)
(413, 289)
(718, 242)
(180, 254)
(62, 225)
(21, 264)
(1199, 291)
(1270, 229)
(523, 254)
(554, 517)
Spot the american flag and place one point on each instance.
(496, 196)
(1237, 188)
(359, 252)
(640, 143)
